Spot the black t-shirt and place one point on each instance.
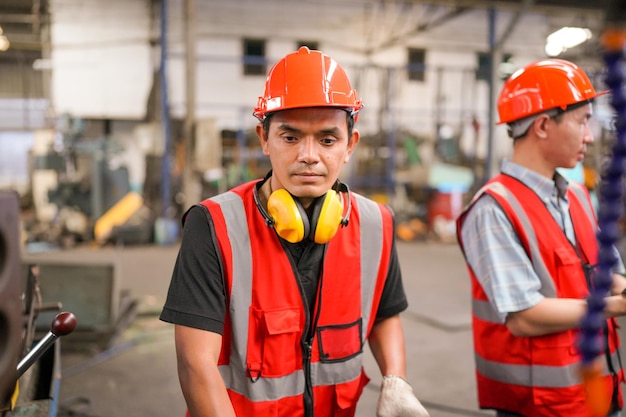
(196, 296)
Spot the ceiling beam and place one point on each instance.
(526, 5)
(420, 27)
(18, 18)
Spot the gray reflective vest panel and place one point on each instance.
(548, 288)
(581, 195)
(535, 375)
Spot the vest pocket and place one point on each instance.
(570, 398)
(553, 341)
(348, 394)
(273, 342)
(554, 375)
(340, 342)
(570, 278)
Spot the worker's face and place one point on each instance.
(569, 137)
(307, 149)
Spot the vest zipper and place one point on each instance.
(308, 388)
(307, 348)
(308, 332)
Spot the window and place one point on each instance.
(482, 72)
(312, 45)
(254, 57)
(416, 68)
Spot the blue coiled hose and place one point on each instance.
(591, 342)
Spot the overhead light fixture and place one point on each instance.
(565, 38)
(4, 41)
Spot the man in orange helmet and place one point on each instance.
(280, 281)
(529, 240)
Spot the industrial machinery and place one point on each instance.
(77, 182)
(29, 368)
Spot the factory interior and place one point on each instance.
(116, 116)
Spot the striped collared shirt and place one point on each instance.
(494, 251)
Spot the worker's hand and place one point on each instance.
(397, 399)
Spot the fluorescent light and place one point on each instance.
(565, 38)
(553, 49)
(42, 64)
(4, 43)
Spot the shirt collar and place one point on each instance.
(544, 187)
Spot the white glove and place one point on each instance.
(398, 400)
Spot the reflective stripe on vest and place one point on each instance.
(371, 252)
(535, 375)
(265, 388)
(581, 195)
(548, 288)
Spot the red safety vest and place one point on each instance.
(277, 359)
(539, 376)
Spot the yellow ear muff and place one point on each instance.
(290, 219)
(329, 219)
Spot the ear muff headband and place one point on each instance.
(290, 219)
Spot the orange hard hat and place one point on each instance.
(307, 79)
(543, 85)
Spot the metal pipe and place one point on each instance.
(35, 353)
(191, 186)
(492, 87)
(165, 116)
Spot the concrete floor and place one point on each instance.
(134, 375)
